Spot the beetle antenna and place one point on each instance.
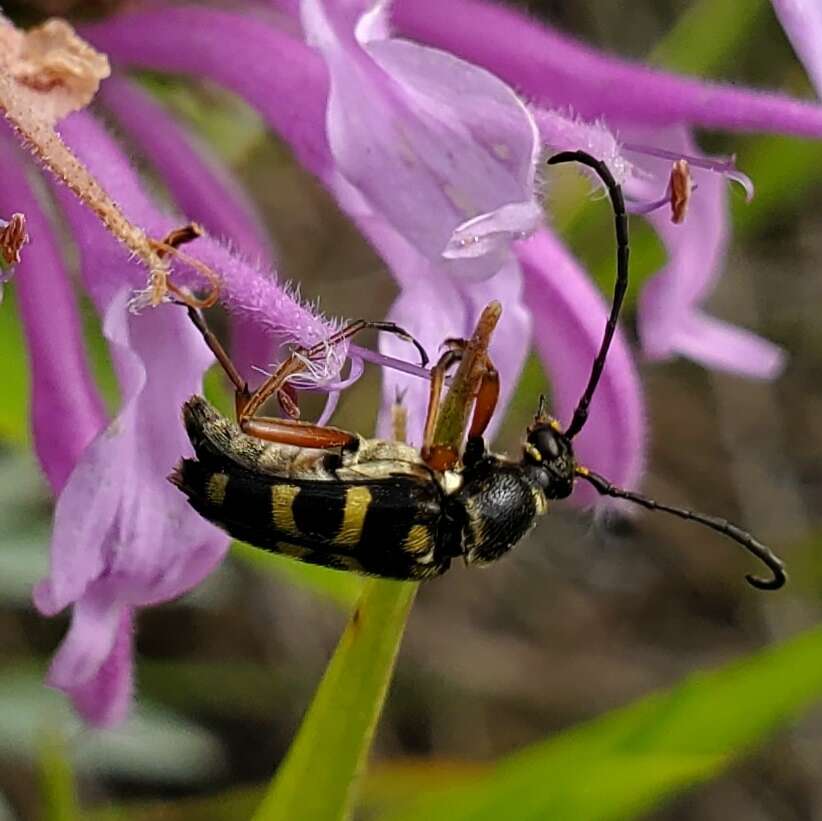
(723, 526)
(621, 223)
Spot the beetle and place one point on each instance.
(334, 498)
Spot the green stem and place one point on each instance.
(321, 774)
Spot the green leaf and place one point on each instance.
(632, 758)
(14, 423)
(320, 774)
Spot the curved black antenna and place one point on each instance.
(620, 287)
(723, 526)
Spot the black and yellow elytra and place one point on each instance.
(401, 521)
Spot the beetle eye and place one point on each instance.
(545, 441)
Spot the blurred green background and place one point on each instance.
(578, 622)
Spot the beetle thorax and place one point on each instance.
(500, 503)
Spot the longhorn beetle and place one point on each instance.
(333, 498)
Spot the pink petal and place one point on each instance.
(556, 71)
(67, 411)
(104, 699)
(244, 289)
(166, 548)
(431, 316)
(235, 51)
(561, 132)
(440, 143)
(724, 347)
(802, 21)
(205, 190)
(90, 639)
(89, 505)
(482, 236)
(669, 314)
(569, 320)
(437, 308)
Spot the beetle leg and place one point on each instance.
(283, 431)
(296, 362)
(441, 457)
(170, 245)
(487, 396)
(295, 432)
(248, 403)
(436, 456)
(220, 354)
(484, 406)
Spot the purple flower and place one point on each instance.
(449, 249)
(435, 159)
(123, 537)
(802, 21)
(670, 320)
(386, 124)
(647, 108)
(442, 151)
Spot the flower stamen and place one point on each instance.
(677, 195)
(13, 236)
(726, 166)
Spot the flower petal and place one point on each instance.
(561, 132)
(67, 411)
(668, 315)
(436, 308)
(432, 316)
(90, 639)
(90, 503)
(802, 21)
(721, 346)
(244, 289)
(482, 235)
(234, 51)
(569, 323)
(555, 71)
(206, 192)
(440, 143)
(104, 699)
(165, 548)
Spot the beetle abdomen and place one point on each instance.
(389, 527)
